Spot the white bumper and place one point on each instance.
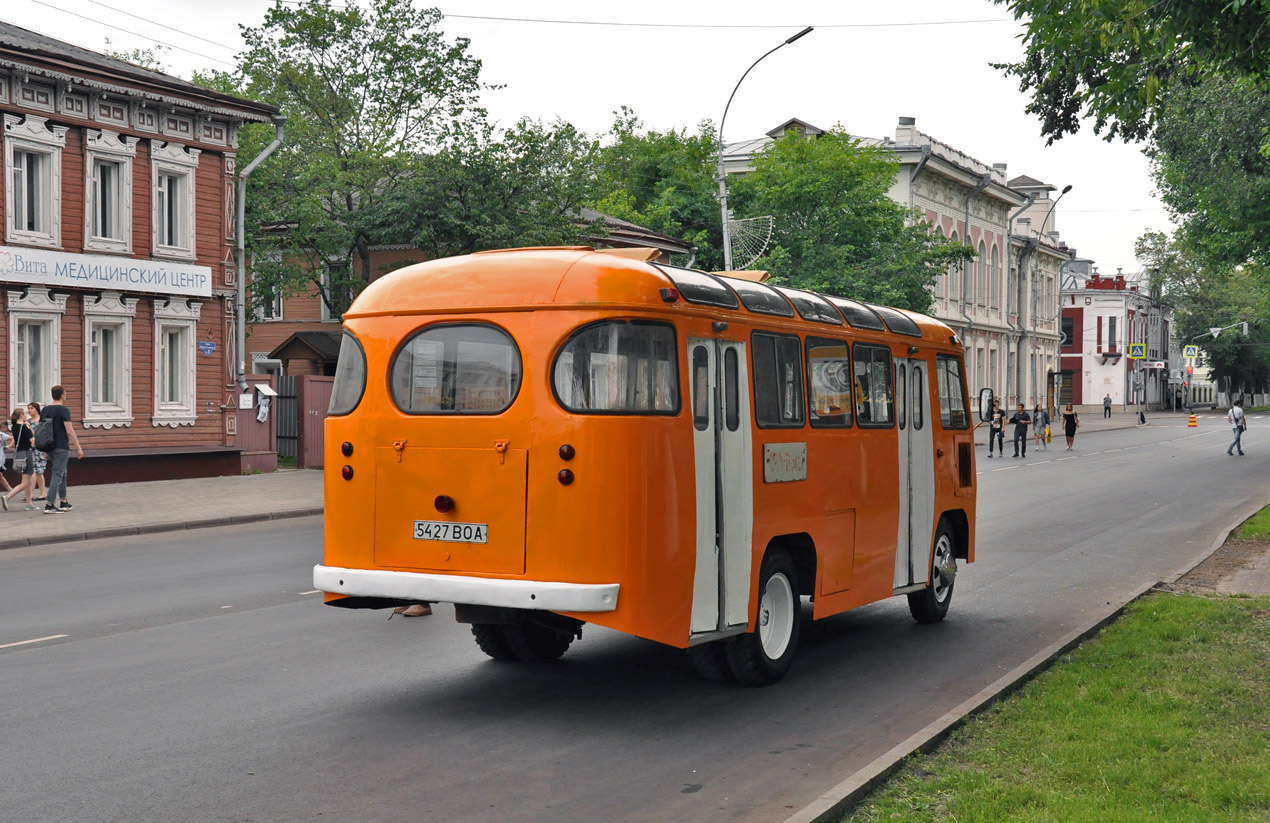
(477, 591)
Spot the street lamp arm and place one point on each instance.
(723, 177)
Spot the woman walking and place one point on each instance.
(1040, 423)
(23, 458)
(1071, 422)
(41, 460)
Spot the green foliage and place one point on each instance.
(365, 91)
(663, 181)
(151, 58)
(1205, 295)
(1112, 59)
(484, 190)
(836, 230)
(1165, 717)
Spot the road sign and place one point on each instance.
(1137, 351)
(1190, 351)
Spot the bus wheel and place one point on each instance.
(535, 643)
(490, 637)
(710, 661)
(931, 603)
(761, 657)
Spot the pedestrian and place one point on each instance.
(1040, 424)
(41, 459)
(1238, 423)
(996, 428)
(1071, 422)
(23, 458)
(6, 441)
(1106, 407)
(1021, 419)
(63, 438)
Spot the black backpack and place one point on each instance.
(43, 440)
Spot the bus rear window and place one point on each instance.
(350, 377)
(618, 367)
(456, 369)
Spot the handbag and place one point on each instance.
(20, 461)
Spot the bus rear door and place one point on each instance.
(917, 474)
(724, 485)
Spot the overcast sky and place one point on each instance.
(675, 63)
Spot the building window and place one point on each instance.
(1111, 333)
(994, 282)
(108, 188)
(268, 305)
(33, 156)
(981, 276)
(35, 327)
(175, 327)
(174, 168)
(108, 361)
(1068, 331)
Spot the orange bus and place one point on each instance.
(557, 436)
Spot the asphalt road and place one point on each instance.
(198, 681)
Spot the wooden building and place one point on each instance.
(117, 259)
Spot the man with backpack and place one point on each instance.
(1238, 423)
(58, 419)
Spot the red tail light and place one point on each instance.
(347, 472)
(565, 477)
(443, 503)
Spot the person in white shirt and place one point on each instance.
(1235, 417)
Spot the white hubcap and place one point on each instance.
(776, 616)
(943, 559)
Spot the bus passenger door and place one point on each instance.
(917, 473)
(724, 484)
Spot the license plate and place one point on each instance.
(451, 532)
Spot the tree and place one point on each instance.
(1112, 59)
(836, 230)
(366, 91)
(1203, 297)
(663, 181)
(485, 190)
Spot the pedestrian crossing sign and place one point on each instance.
(1137, 351)
(1190, 352)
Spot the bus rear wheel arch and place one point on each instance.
(519, 634)
(763, 656)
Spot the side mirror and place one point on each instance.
(985, 404)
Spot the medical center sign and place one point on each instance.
(98, 271)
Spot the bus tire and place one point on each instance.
(535, 643)
(931, 603)
(490, 637)
(710, 661)
(761, 657)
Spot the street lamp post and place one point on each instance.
(1036, 297)
(723, 177)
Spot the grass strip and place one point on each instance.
(1256, 527)
(1164, 716)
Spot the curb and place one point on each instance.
(157, 528)
(837, 801)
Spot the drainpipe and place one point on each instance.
(240, 301)
(970, 324)
(1016, 331)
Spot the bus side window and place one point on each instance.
(731, 390)
(875, 393)
(901, 400)
(700, 388)
(952, 399)
(828, 383)
(918, 394)
(778, 380)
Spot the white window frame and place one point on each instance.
(36, 306)
(177, 315)
(33, 134)
(107, 148)
(181, 162)
(109, 310)
(274, 302)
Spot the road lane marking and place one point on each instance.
(1006, 469)
(313, 591)
(1109, 451)
(227, 607)
(1042, 462)
(1093, 454)
(1061, 459)
(36, 640)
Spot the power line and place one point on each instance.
(133, 33)
(162, 26)
(722, 25)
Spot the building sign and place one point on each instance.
(784, 462)
(98, 271)
(207, 347)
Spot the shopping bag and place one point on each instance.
(1049, 438)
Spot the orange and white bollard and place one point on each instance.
(1194, 423)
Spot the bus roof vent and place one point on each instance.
(760, 298)
(899, 322)
(812, 306)
(858, 315)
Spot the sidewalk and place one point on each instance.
(118, 509)
(1090, 423)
